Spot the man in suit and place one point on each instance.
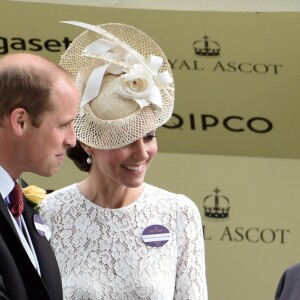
(289, 284)
(38, 103)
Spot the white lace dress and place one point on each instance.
(102, 255)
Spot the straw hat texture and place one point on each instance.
(125, 81)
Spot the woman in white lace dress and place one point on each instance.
(115, 236)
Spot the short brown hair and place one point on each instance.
(27, 86)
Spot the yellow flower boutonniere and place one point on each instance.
(34, 194)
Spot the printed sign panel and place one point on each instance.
(236, 74)
(237, 92)
(249, 209)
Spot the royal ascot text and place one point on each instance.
(251, 235)
(230, 67)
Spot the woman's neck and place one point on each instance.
(108, 195)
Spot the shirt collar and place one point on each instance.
(6, 183)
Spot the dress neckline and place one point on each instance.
(131, 205)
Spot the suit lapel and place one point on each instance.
(46, 258)
(6, 215)
(32, 281)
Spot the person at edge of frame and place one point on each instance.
(38, 105)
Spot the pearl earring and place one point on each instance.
(89, 159)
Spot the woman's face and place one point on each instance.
(125, 166)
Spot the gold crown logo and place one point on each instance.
(216, 206)
(204, 47)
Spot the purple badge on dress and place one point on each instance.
(156, 235)
(39, 224)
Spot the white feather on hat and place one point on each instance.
(125, 81)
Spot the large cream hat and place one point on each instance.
(125, 81)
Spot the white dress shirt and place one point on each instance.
(7, 184)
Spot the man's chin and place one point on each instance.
(49, 173)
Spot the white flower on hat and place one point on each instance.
(96, 59)
(138, 84)
(139, 79)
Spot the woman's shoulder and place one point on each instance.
(168, 202)
(63, 191)
(57, 197)
(161, 193)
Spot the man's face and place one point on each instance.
(45, 146)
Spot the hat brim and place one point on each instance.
(111, 134)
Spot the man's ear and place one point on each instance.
(18, 120)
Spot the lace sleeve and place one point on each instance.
(190, 275)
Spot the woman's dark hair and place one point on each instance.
(79, 157)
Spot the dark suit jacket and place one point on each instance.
(19, 280)
(289, 284)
